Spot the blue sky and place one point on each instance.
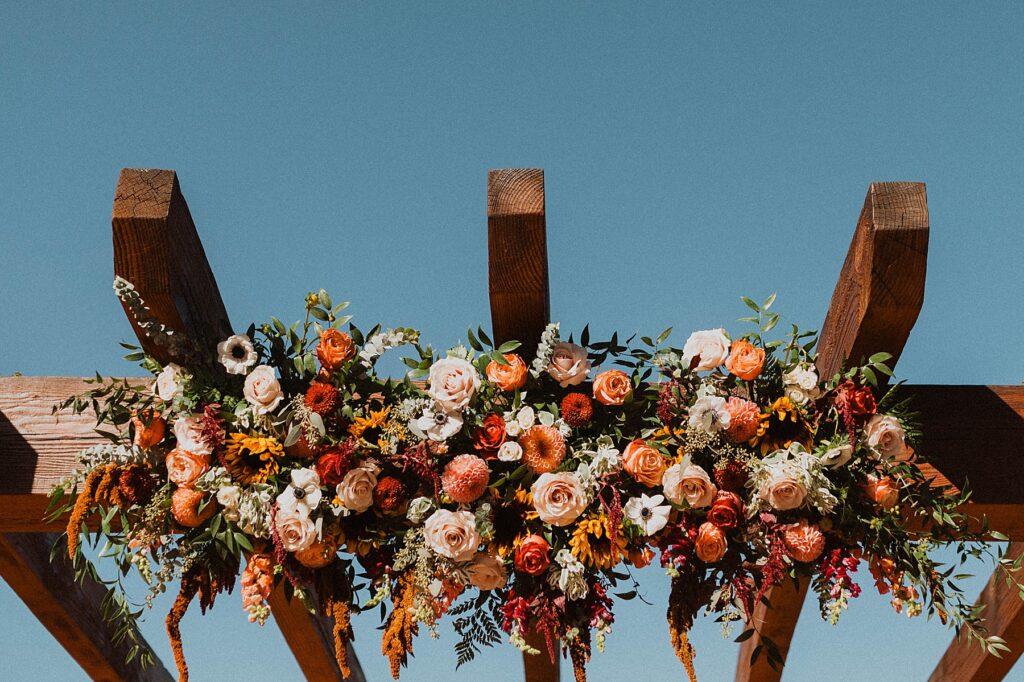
(693, 154)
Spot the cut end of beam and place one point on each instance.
(515, 191)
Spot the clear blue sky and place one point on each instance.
(692, 154)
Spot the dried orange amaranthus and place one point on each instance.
(82, 505)
(579, 654)
(400, 627)
(679, 621)
(190, 584)
(342, 614)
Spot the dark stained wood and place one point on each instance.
(69, 610)
(157, 249)
(876, 301)
(517, 256)
(310, 640)
(966, 661)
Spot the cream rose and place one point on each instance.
(885, 435)
(510, 451)
(168, 384)
(487, 572)
(296, 532)
(569, 365)
(783, 491)
(453, 381)
(689, 483)
(452, 534)
(184, 467)
(712, 345)
(801, 384)
(189, 433)
(262, 390)
(356, 490)
(229, 498)
(558, 498)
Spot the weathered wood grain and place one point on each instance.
(517, 256)
(69, 610)
(310, 640)
(776, 624)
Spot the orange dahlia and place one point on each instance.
(543, 448)
(465, 478)
(577, 409)
(322, 398)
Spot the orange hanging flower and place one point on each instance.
(746, 360)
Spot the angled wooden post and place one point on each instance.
(157, 249)
(876, 301)
(520, 308)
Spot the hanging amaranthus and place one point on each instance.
(401, 625)
(680, 618)
(190, 584)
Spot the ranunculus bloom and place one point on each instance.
(612, 387)
(507, 377)
(465, 478)
(712, 345)
(711, 543)
(487, 572)
(297, 532)
(189, 433)
(885, 492)
(804, 541)
(746, 360)
(262, 390)
(168, 384)
(689, 483)
(783, 491)
(558, 498)
(569, 364)
(185, 507)
(355, 491)
(744, 417)
(726, 511)
(644, 463)
(335, 349)
(452, 534)
(533, 555)
(885, 435)
(453, 381)
(489, 436)
(184, 467)
(147, 435)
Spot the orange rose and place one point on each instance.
(711, 543)
(644, 463)
(147, 435)
(745, 360)
(507, 377)
(489, 436)
(612, 387)
(885, 492)
(531, 555)
(335, 349)
(184, 467)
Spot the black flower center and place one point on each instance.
(299, 493)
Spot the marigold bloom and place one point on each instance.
(185, 507)
(389, 494)
(322, 398)
(577, 409)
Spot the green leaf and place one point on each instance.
(879, 357)
(509, 346)
(319, 314)
(768, 302)
(325, 300)
(750, 304)
(243, 541)
(473, 343)
(745, 635)
(662, 337)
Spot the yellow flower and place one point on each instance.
(781, 426)
(252, 459)
(360, 426)
(592, 546)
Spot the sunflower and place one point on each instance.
(779, 427)
(252, 459)
(508, 522)
(592, 546)
(368, 429)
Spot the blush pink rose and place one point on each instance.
(569, 365)
(558, 498)
(453, 382)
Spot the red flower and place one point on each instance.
(389, 494)
(854, 403)
(322, 398)
(577, 409)
(489, 436)
(531, 555)
(726, 511)
(335, 462)
(731, 476)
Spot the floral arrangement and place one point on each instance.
(513, 494)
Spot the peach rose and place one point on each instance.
(189, 433)
(612, 387)
(184, 466)
(745, 360)
(783, 491)
(507, 377)
(532, 555)
(558, 498)
(452, 534)
(711, 346)
(355, 492)
(335, 349)
(569, 365)
(689, 483)
(297, 532)
(644, 463)
(711, 543)
(885, 435)
(262, 390)
(147, 435)
(884, 492)
(487, 572)
(453, 381)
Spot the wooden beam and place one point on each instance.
(966, 661)
(311, 640)
(71, 611)
(520, 303)
(876, 301)
(517, 256)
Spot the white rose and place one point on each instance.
(782, 490)
(510, 451)
(438, 424)
(262, 390)
(801, 384)
(709, 414)
(356, 490)
(837, 457)
(168, 384)
(452, 534)
(884, 434)
(487, 572)
(453, 381)
(228, 497)
(189, 433)
(236, 353)
(303, 495)
(559, 498)
(688, 483)
(526, 418)
(711, 345)
(296, 532)
(569, 365)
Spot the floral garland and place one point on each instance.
(537, 485)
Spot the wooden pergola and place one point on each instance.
(971, 432)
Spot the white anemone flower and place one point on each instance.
(303, 495)
(647, 512)
(709, 414)
(236, 353)
(437, 423)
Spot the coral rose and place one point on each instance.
(453, 381)
(744, 417)
(543, 448)
(726, 511)
(532, 555)
(746, 360)
(184, 466)
(644, 463)
(711, 543)
(558, 498)
(335, 349)
(149, 428)
(185, 507)
(569, 365)
(885, 492)
(804, 541)
(507, 377)
(709, 348)
(612, 387)
(489, 436)
(452, 534)
(465, 478)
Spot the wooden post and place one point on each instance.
(520, 308)
(875, 304)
